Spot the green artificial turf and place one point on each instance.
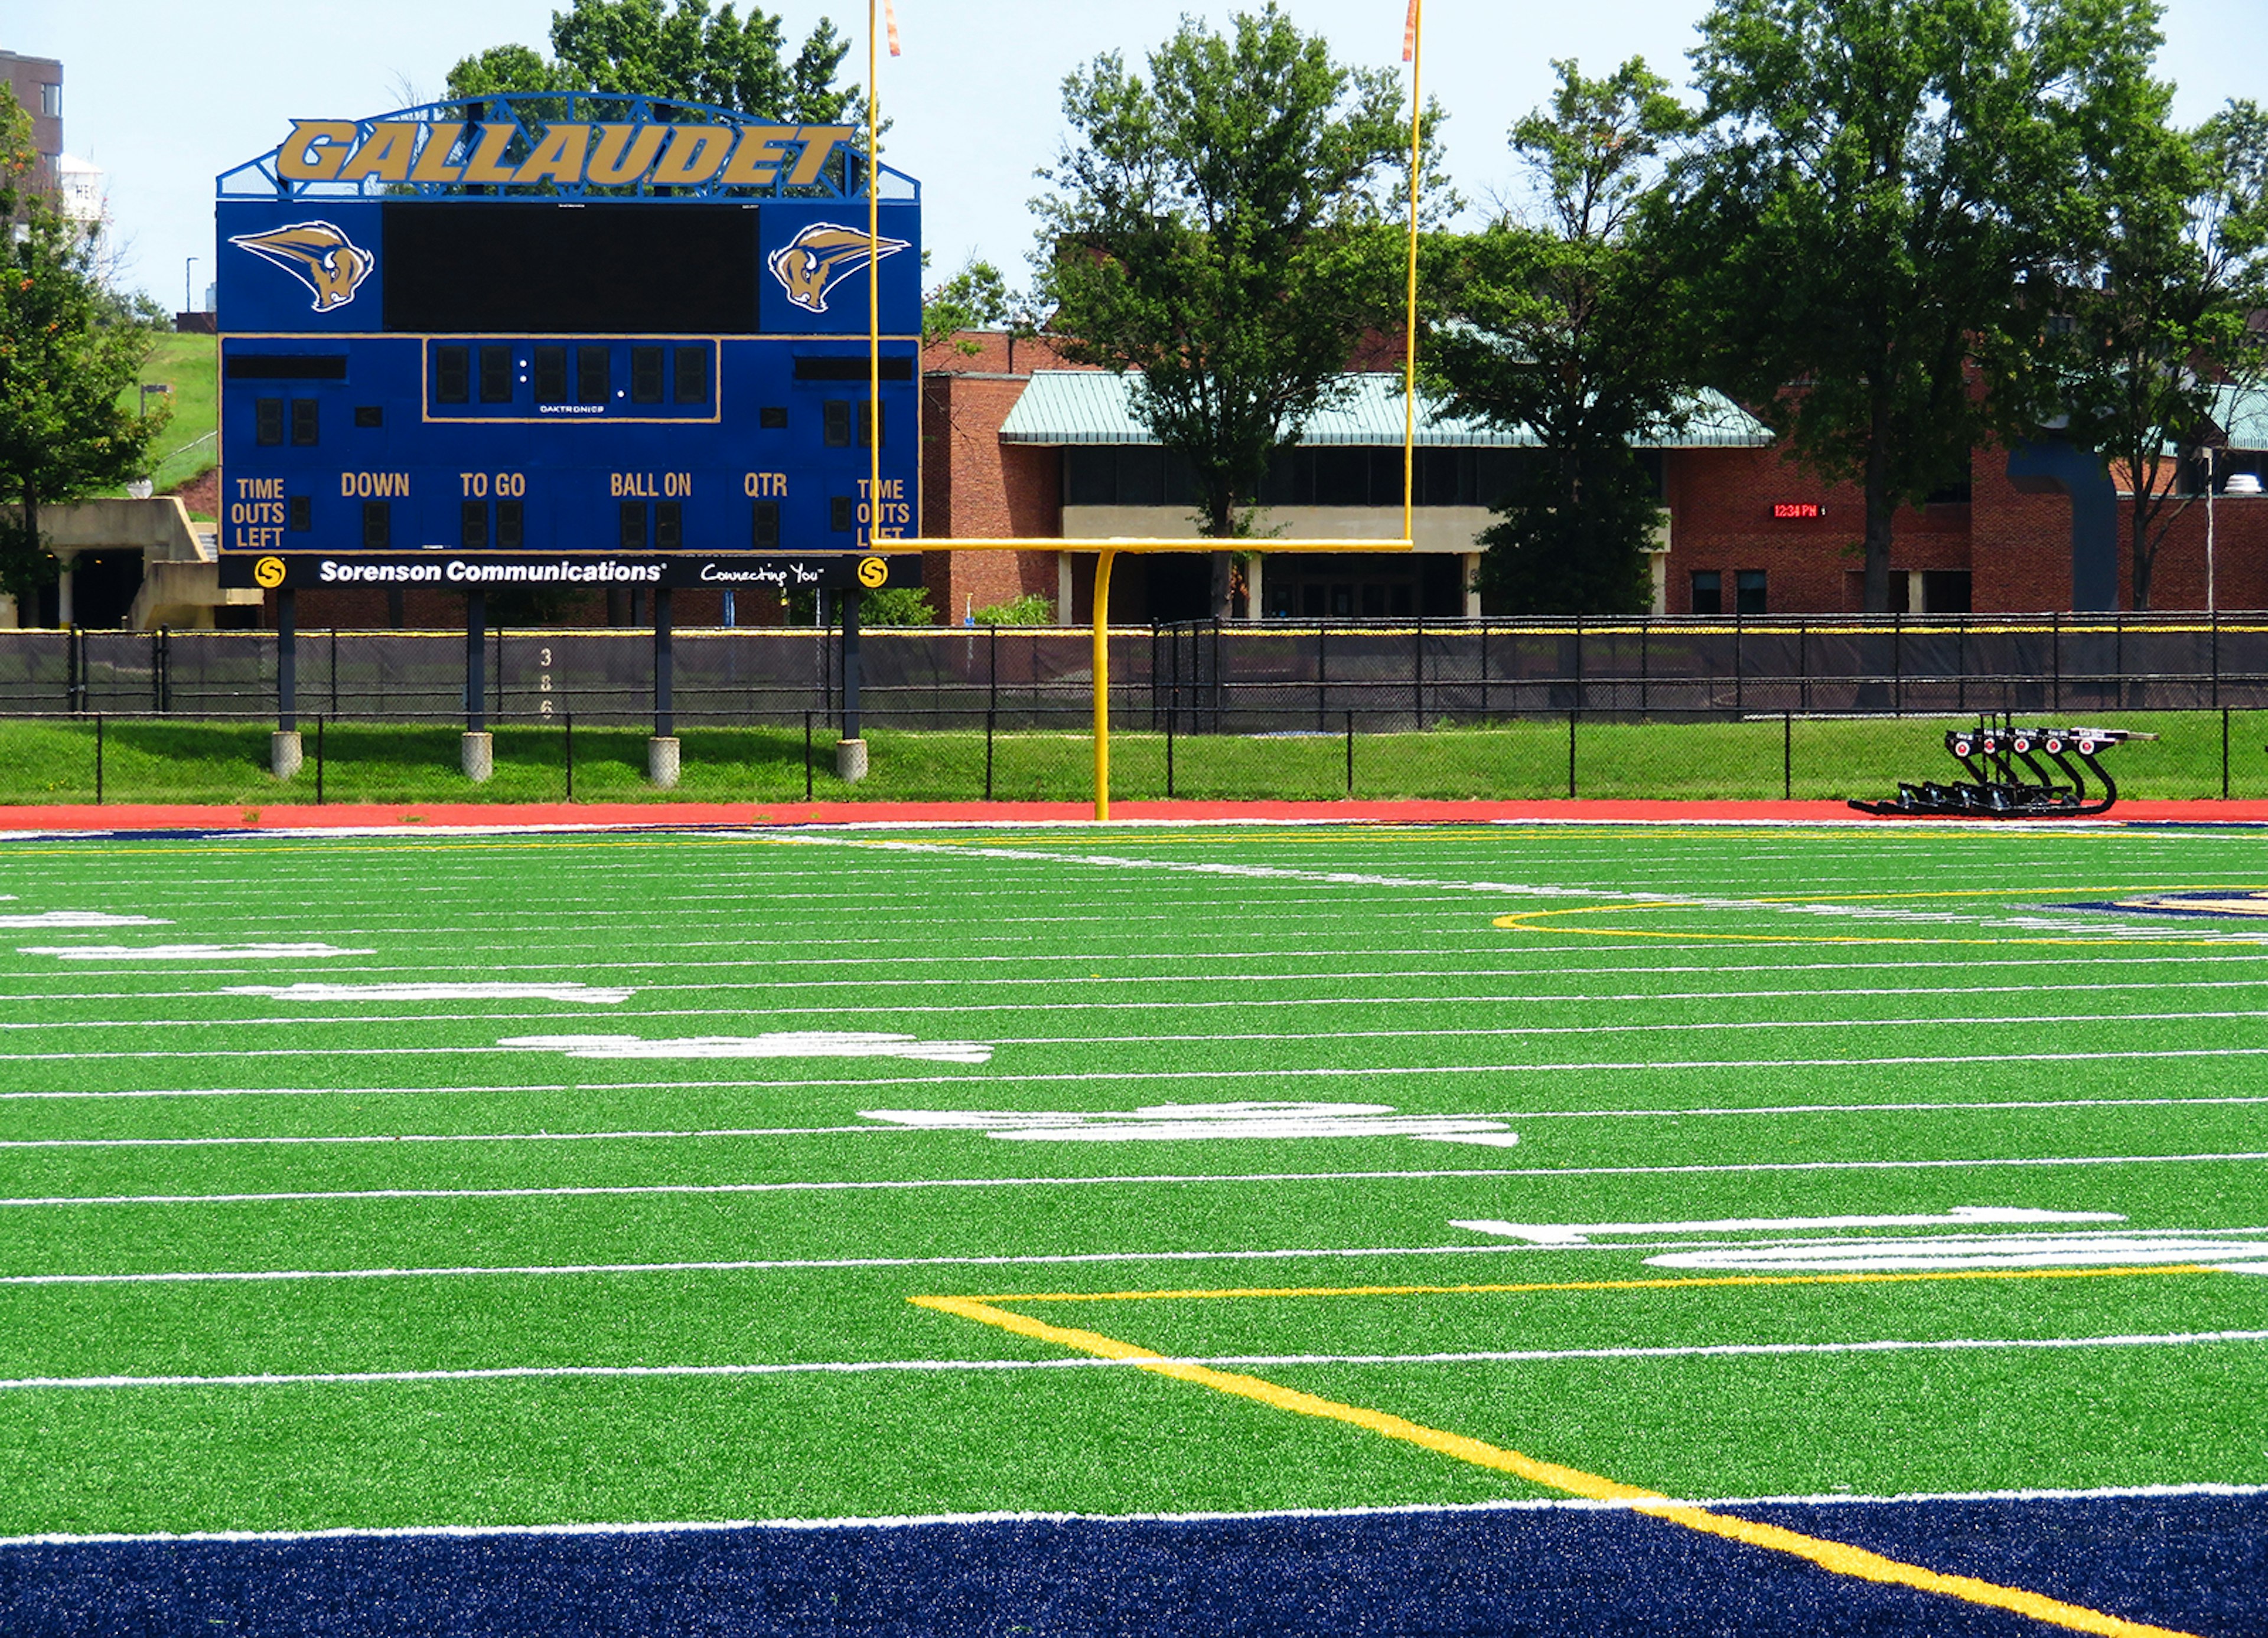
(54, 760)
(1681, 1024)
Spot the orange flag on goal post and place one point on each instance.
(1408, 33)
(890, 24)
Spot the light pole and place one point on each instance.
(188, 285)
(2209, 605)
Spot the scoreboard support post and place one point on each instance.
(284, 748)
(477, 754)
(850, 752)
(661, 754)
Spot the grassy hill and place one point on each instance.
(187, 446)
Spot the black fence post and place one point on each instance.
(97, 759)
(2216, 661)
(1897, 666)
(2055, 661)
(990, 716)
(1169, 752)
(1322, 663)
(1786, 757)
(665, 667)
(287, 660)
(1739, 679)
(1418, 671)
(1350, 754)
(568, 718)
(335, 671)
(2224, 752)
(319, 720)
(806, 755)
(158, 669)
(991, 677)
(70, 669)
(1571, 754)
(476, 687)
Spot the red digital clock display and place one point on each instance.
(1798, 509)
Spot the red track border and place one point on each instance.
(599, 815)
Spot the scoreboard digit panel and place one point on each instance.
(589, 377)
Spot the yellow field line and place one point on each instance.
(1835, 1556)
(1598, 1285)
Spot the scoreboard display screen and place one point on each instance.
(666, 383)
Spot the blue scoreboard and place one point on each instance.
(574, 338)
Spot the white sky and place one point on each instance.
(164, 95)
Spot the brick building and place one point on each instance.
(1018, 444)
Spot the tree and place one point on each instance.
(1873, 221)
(1223, 227)
(2159, 318)
(975, 298)
(70, 352)
(683, 54)
(1556, 326)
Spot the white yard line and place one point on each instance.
(1491, 1356)
(1105, 1522)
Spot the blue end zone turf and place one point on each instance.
(2198, 1564)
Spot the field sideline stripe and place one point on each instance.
(1598, 1285)
(1829, 1555)
(1717, 1350)
(915, 1521)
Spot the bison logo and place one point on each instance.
(821, 256)
(317, 255)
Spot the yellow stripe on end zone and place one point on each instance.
(1835, 1556)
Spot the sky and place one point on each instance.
(163, 96)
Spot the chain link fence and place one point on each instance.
(1276, 677)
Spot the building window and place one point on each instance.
(451, 374)
(51, 102)
(633, 527)
(646, 375)
(692, 375)
(473, 525)
(496, 375)
(508, 529)
(593, 377)
(836, 413)
(305, 422)
(841, 516)
(266, 422)
(302, 513)
(763, 525)
(550, 375)
(1708, 591)
(376, 526)
(1748, 592)
(668, 526)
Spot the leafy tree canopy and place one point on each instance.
(1556, 326)
(676, 49)
(1874, 219)
(2159, 316)
(70, 352)
(1222, 225)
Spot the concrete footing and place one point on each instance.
(851, 761)
(661, 762)
(284, 754)
(478, 756)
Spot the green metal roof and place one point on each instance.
(1095, 406)
(2242, 414)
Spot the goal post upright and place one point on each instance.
(1109, 549)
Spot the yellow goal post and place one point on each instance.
(1108, 550)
